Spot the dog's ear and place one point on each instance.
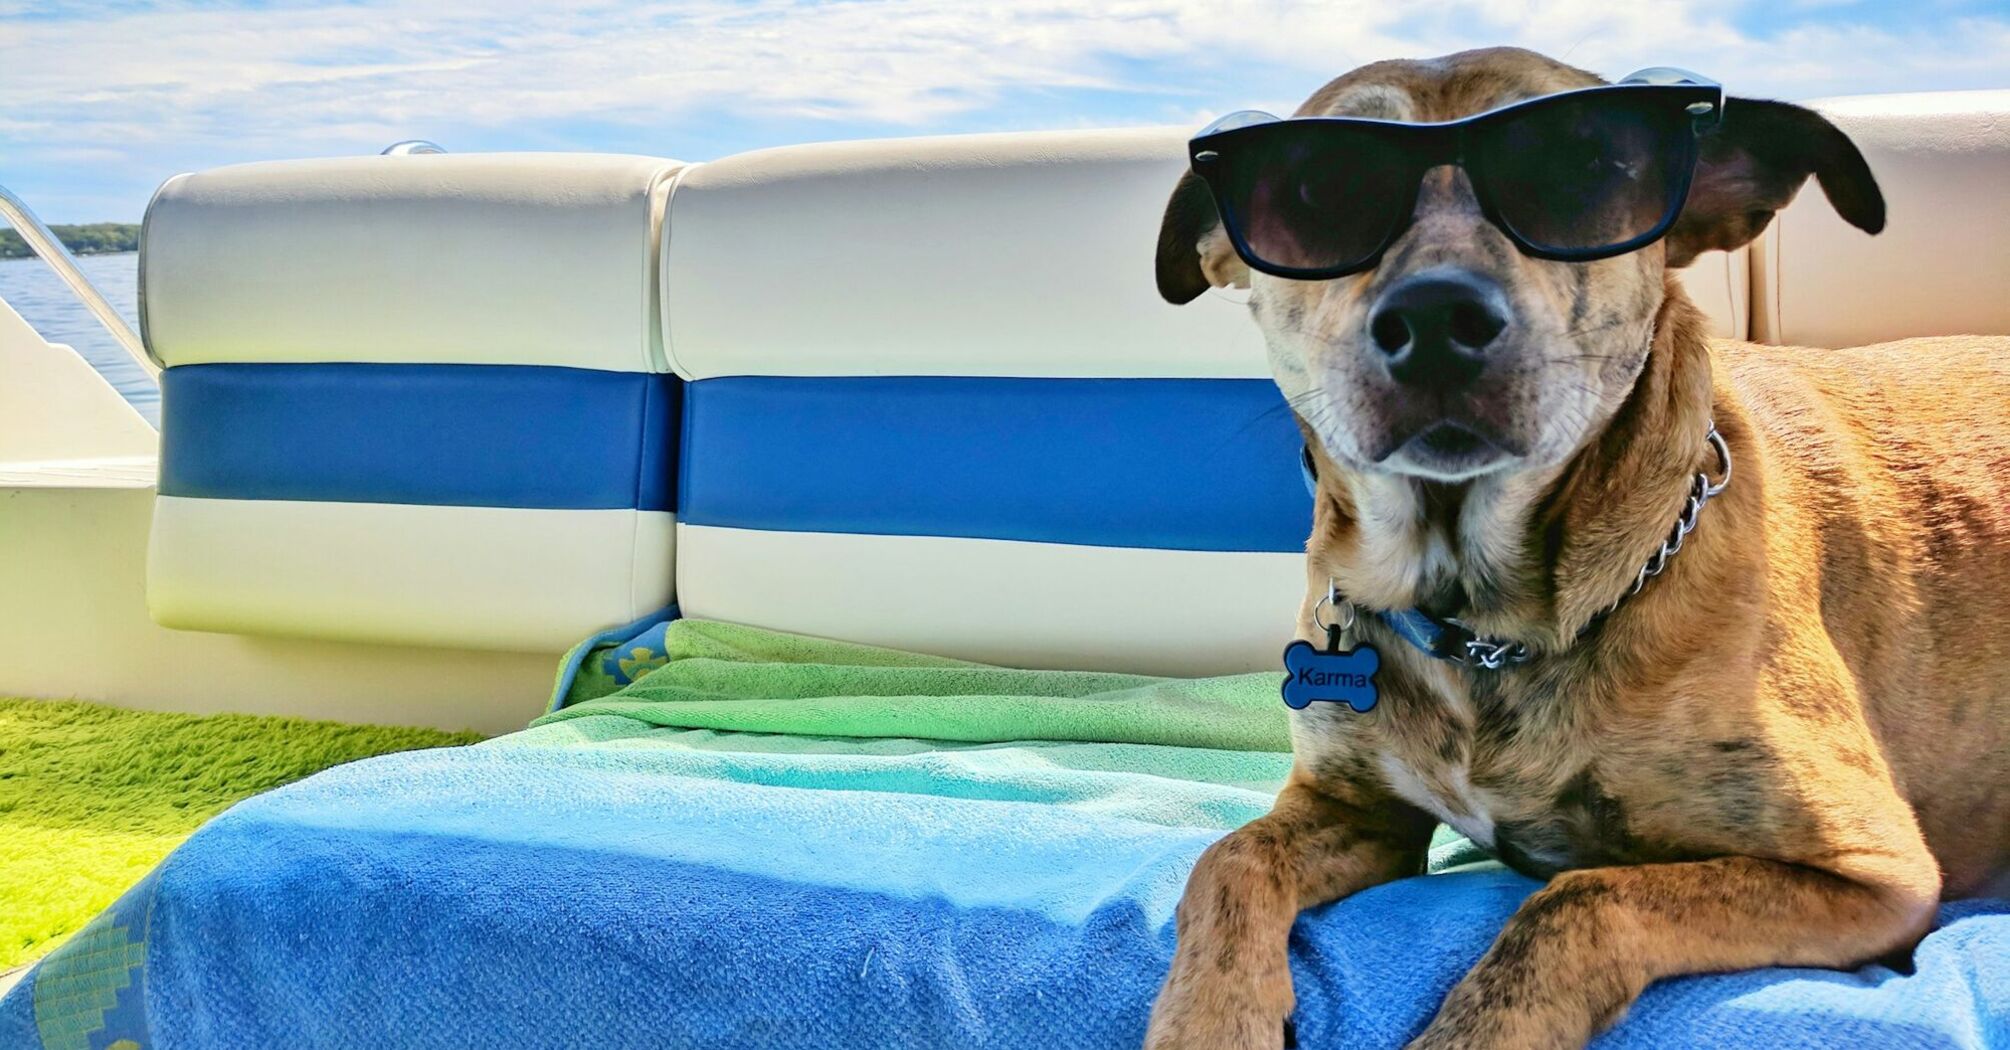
(1194, 251)
(1752, 163)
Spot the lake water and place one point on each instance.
(34, 291)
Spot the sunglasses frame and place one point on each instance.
(1433, 145)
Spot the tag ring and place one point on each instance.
(1332, 600)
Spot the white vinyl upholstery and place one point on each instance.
(501, 258)
(988, 256)
(1000, 601)
(1017, 255)
(1942, 264)
(501, 578)
(1719, 283)
(372, 424)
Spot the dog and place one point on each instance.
(1783, 746)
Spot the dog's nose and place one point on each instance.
(1436, 326)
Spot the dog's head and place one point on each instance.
(1456, 354)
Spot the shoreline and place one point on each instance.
(75, 252)
(86, 238)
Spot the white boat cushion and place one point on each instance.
(1941, 265)
(416, 400)
(468, 577)
(496, 258)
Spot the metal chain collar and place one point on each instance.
(1492, 655)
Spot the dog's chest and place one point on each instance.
(1445, 791)
(1530, 797)
(1534, 828)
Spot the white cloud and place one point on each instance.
(201, 83)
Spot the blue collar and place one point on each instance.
(1437, 637)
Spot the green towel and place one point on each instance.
(754, 706)
(723, 676)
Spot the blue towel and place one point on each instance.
(665, 887)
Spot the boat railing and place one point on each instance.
(50, 250)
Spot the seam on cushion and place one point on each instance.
(682, 475)
(642, 439)
(662, 274)
(655, 209)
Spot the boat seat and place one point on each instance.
(411, 399)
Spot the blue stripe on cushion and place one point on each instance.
(448, 435)
(1183, 464)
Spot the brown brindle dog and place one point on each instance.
(1782, 751)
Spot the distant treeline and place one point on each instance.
(92, 238)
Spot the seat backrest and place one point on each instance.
(1941, 266)
(934, 401)
(411, 399)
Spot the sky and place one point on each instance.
(102, 101)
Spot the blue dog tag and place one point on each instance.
(1312, 674)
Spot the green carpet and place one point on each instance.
(92, 797)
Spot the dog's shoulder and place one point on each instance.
(1929, 377)
(1931, 409)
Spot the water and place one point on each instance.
(36, 293)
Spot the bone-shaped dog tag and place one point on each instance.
(1331, 675)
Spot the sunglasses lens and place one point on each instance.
(1318, 198)
(1589, 174)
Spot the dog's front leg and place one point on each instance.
(1230, 985)
(1576, 954)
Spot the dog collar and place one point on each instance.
(1444, 638)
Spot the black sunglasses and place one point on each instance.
(1578, 175)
